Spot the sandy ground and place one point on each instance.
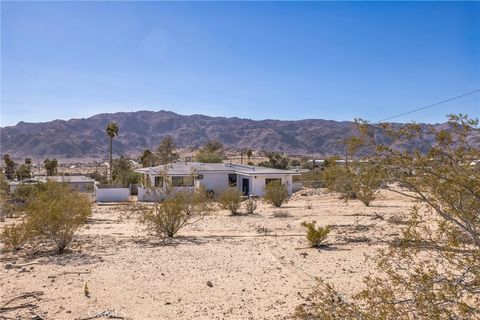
(259, 266)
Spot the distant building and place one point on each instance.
(77, 183)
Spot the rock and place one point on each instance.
(210, 284)
(8, 266)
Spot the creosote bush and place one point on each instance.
(432, 270)
(276, 193)
(14, 236)
(366, 182)
(250, 205)
(230, 200)
(338, 178)
(316, 235)
(166, 218)
(55, 214)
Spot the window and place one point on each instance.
(232, 179)
(199, 176)
(186, 181)
(159, 182)
(277, 180)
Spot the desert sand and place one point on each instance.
(221, 267)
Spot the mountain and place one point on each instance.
(85, 138)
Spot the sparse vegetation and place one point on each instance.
(55, 214)
(166, 218)
(316, 235)
(432, 271)
(276, 193)
(14, 236)
(211, 152)
(280, 214)
(230, 199)
(250, 205)
(51, 166)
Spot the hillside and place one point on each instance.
(85, 138)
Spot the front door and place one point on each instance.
(245, 187)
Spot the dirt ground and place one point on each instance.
(222, 267)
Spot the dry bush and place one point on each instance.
(196, 202)
(432, 271)
(276, 194)
(316, 235)
(338, 178)
(165, 218)
(250, 205)
(56, 213)
(230, 199)
(280, 214)
(367, 181)
(14, 236)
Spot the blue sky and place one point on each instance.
(283, 60)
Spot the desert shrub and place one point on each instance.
(280, 214)
(197, 202)
(165, 218)
(432, 270)
(14, 236)
(250, 205)
(338, 178)
(366, 182)
(56, 213)
(316, 235)
(230, 199)
(276, 193)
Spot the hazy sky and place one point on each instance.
(287, 60)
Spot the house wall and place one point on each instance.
(112, 194)
(258, 183)
(215, 181)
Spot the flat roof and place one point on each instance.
(187, 168)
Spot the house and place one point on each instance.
(77, 183)
(215, 177)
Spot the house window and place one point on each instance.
(232, 179)
(274, 180)
(159, 182)
(199, 176)
(186, 181)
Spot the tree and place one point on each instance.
(211, 152)
(23, 172)
(166, 151)
(249, 155)
(9, 167)
(51, 166)
(122, 169)
(147, 158)
(56, 213)
(112, 131)
(432, 271)
(275, 160)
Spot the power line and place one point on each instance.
(431, 105)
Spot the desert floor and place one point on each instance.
(258, 266)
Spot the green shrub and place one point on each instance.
(276, 193)
(230, 199)
(165, 218)
(56, 213)
(338, 178)
(316, 235)
(14, 236)
(367, 181)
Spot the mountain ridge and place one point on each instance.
(85, 137)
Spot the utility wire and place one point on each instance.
(431, 105)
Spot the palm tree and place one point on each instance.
(112, 131)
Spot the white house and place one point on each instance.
(215, 177)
